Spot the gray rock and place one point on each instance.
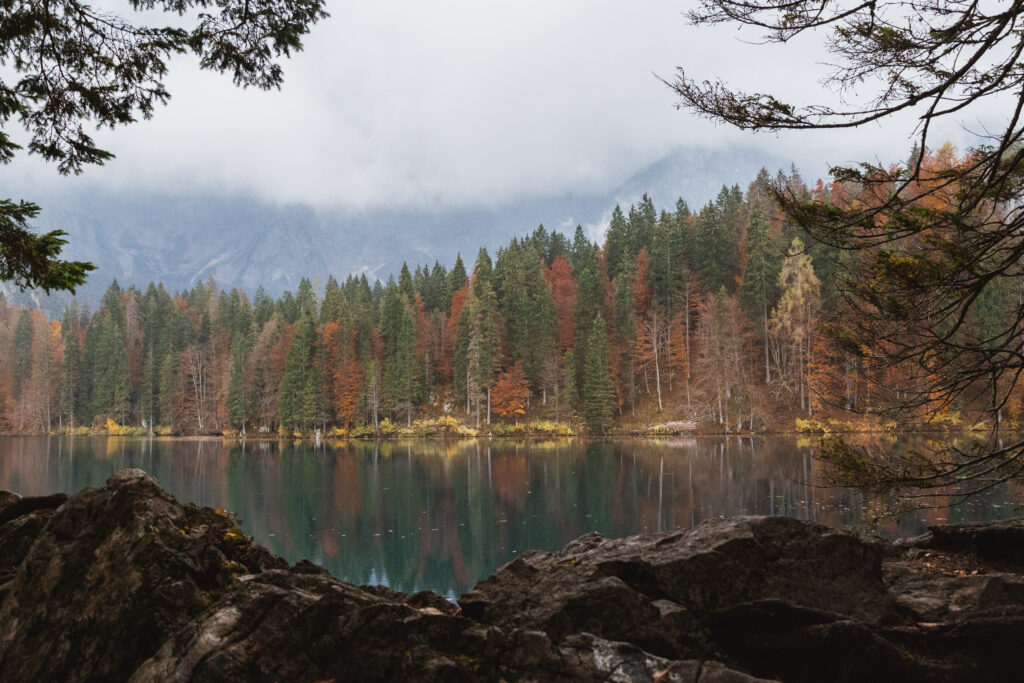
(123, 582)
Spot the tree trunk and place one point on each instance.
(764, 308)
(657, 377)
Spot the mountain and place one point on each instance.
(245, 242)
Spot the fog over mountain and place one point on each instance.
(241, 242)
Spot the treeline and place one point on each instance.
(709, 315)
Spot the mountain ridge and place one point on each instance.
(245, 242)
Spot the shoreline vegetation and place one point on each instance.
(448, 427)
(713, 321)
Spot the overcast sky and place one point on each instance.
(458, 102)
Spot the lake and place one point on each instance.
(443, 515)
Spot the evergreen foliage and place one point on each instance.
(351, 353)
(598, 390)
(70, 64)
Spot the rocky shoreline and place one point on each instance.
(122, 582)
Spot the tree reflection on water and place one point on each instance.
(443, 515)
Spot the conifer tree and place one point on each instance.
(598, 389)
(305, 298)
(759, 288)
(334, 302)
(401, 369)
(589, 295)
(715, 253)
(72, 365)
(22, 351)
(457, 277)
(263, 307)
(171, 389)
(584, 253)
(438, 296)
(483, 269)
(296, 369)
(237, 401)
(315, 411)
(571, 390)
(405, 284)
(110, 386)
(483, 347)
(617, 243)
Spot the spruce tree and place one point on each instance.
(72, 365)
(598, 388)
(305, 298)
(237, 401)
(171, 389)
(263, 307)
(760, 287)
(439, 299)
(405, 284)
(714, 249)
(315, 411)
(482, 271)
(617, 243)
(483, 351)
(22, 351)
(297, 366)
(330, 310)
(456, 278)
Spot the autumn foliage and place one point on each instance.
(716, 316)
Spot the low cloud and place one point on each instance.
(458, 103)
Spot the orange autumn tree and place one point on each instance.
(563, 292)
(344, 371)
(510, 392)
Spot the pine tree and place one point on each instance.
(598, 389)
(237, 401)
(570, 391)
(334, 302)
(110, 395)
(171, 389)
(617, 243)
(589, 295)
(405, 284)
(456, 278)
(22, 351)
(483, 269)
(305, 298)
(483, 347)
(315, 411)
(72, 365)
(438, 296)
(296, 369)
(402, 365)
(759, 288)
(263, 307)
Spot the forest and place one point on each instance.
(716, 318)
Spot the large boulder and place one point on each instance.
(123, 582)
(110, 575)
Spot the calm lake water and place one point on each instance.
(442, 516)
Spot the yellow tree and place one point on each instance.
(794, 321)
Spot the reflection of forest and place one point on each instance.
(444, 515)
